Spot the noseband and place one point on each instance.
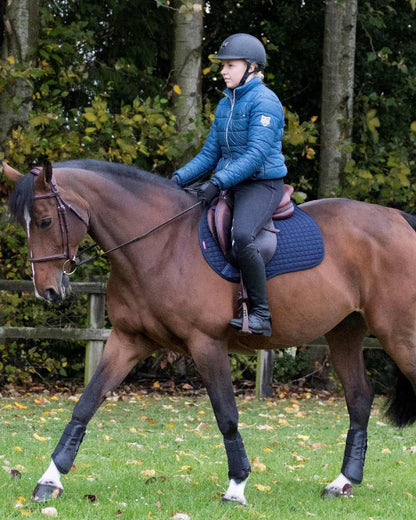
(70, 260)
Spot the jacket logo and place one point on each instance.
(265, 120)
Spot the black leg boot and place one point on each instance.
(253, 274)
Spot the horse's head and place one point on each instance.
(55, 222)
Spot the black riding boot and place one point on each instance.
(253, 274)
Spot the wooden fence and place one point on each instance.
(95, 334)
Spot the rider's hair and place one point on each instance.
(259, 73)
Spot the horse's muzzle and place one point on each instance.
(55, 295)
(52, 296)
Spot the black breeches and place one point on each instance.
(254, 204)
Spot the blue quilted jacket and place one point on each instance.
(245, 140)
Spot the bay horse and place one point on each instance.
(162, 293)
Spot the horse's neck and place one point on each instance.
(118, 215)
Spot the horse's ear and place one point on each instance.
(47, 170)
(45, 176)
(11, 173)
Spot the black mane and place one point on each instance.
(119, 172)
(21, 199)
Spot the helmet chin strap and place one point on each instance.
(246, 75)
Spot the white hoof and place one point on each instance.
(235, 492)
(49, 485)
(340, 487)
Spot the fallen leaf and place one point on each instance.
(180, 516)
(91, 498)
(40, 400)
(39, 438)
(185, 469)
(260, 487)
(265, 427)
(258, 466)
(148, 473)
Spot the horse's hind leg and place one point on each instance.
(345, 342)
(120, 355)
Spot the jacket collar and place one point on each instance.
(240, 91)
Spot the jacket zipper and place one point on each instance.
(227, 126)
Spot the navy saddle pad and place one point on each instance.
(299, 246)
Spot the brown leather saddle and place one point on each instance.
(220, 217)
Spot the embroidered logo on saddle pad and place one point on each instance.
(299, 246)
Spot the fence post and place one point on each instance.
(96, 317)
(264, 373)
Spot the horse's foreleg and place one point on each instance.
(211, 359)
(120, 355)
(345, 343)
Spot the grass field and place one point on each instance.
(152, 457)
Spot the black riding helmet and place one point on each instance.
(245, 47)
(242, 47)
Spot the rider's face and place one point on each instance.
(232, 71)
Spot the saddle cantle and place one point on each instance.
(219, 218)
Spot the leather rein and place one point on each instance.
(72, 262)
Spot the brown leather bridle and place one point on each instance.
(62, 206)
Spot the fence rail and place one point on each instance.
(95, 334)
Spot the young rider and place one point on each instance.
(244, 147)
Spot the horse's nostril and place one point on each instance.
(51, 295)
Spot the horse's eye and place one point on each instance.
(45, 222)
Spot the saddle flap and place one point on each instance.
(223, 221)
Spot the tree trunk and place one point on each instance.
(20, 32)
(187, 67)
(337, 91)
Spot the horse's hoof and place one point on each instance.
(335, 492)
(46, 492)
(240, 500)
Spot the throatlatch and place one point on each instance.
(354, 455)
(238, 464)
(67, 447)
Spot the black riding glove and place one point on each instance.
(175, 180)
(207, 191)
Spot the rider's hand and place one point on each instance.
(175, 180)
(207, 191)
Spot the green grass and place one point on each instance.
(151, 457)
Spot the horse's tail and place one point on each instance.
(401, 405)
